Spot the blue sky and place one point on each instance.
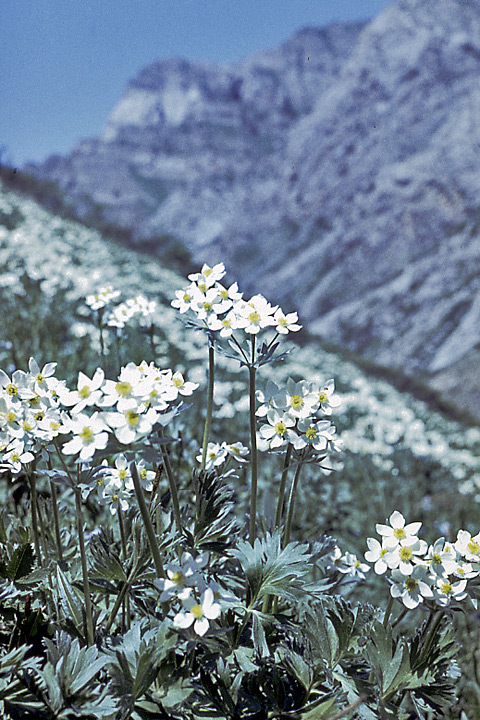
(64, 63)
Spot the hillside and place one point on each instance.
(398, 452)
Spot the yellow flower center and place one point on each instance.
(296, 401)
(311, 433)
(187, 298)
(143, 474)
(178, 577)
(282, 321)
(399, 533)
(178, 382)
(34, 400)
(122, 474)
(202, 287)
(473, 547)
(54, 425)
(86, 434)
(84, 392)
(406, 554)
(197, 611)
(226, 323)
(280, 428)
(39, 416)
(11, 417)
(323, 397)
(224, 294)
(39, 378)
(411, 584)
(436, 559)
(254, 317)
(133, 418)
(446, 588)
(11, 389)
(207, 305)
(26, 426)
(14, 457)
(123, 388)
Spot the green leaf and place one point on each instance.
(271, 570)
(72, 602)
(21, 562)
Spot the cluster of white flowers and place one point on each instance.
(194, 600)
(294, 415)
(218, 454)
(347, 563)
(224, 310)
(439, 572)
(137, 307)
(36, 408)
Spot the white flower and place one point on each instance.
(317, 434)
(198, 613)
(278, 431)
(445, 591)
(216, 455)
(16, 455)
(441, 558)
(89, 435)
(326, 398)
(376, 553)
(286, 323)
(411, 589)
(236, 450)
(467, 546)
(398, 530)
(40, 376)
(208, 276)
(115, 495)
(405, 554)
(183, 387)
(88, 391)
(297, 399)
(257, 314)
(181, 576)
(105, 295)
(352, 566)
(132, 422)
(184, 298)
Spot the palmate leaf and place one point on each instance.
(271, 570)
(69, 679)
(214, 527)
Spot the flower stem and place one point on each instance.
(83, 557)
(253, 446)
(53, 491)
(173, 487)
(147, 521)
(283, 483)
(291, 505)
(208, 418)
(388, 610)
(33, 510)
(120, 598)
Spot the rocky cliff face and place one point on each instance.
(339, 174)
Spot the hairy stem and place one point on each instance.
(253, 446)
(83, 557)
(147, 521)
(208, 418)
(283, 483)
(291, 505)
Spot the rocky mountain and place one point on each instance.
(339, 174)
